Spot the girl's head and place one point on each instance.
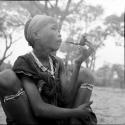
(42, 32)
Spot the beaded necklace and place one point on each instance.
(41, 66)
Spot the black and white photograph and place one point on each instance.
(62, 62)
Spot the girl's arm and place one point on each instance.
(71, 86)
(42, 109)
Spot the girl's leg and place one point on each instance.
(14, 100)
(83, 95)
(84, 90)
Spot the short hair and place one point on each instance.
(30, 42)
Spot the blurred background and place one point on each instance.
(101, 21)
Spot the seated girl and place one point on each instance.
(37, 91)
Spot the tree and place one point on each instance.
(97, 37)
(67, 15)
(104, 74)
(111, 75)
(31, 8)
(52, 8)
(11, 19)
(117, 75)
(86, 17)
(115, 27)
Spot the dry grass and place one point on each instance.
(109, 105)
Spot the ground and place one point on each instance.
(108, 104)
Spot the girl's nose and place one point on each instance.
(59, 35)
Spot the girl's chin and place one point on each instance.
(54, 49)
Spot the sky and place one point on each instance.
(110, 6)
(109, 54)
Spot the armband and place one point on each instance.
(13, 97)
(87, 85)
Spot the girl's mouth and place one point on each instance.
(59, 41)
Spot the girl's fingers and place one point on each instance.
(90, 45)
(88, 103)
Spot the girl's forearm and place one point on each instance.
(53, 112)
(74, 78)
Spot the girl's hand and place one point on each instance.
(84, 109)
(84, 52)
(85, 105)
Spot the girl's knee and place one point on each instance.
(86, 76)
(9, 83)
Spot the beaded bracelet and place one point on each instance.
(87, 85)
(13, 97)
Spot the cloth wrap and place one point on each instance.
(49, 87)
(35, 24)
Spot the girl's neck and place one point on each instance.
(42, 56)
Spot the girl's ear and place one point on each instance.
(35, 35)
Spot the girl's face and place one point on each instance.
(49, 37)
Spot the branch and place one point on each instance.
(7, 46)
(5, 57)
(1, 61)
(50, 4)
(46, 7)
(76, 7)
(6, 49)
(92, 61)
(40, 6)
(64, 13)
(17, 39)
(33, 7)
(67, 6)
(18, 24)
(56, 4)
(8, 55)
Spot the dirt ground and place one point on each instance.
(108, 104)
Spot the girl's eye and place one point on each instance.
(54, 28)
